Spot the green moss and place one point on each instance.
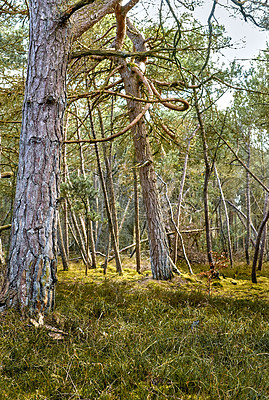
(130, 337)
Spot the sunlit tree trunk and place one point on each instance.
(31, 274)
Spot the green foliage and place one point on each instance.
(133, 339)
(80, 189)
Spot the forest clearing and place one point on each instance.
(131, 337)
(134, 199)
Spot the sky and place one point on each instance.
(247, 39)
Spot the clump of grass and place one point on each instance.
(131, 340)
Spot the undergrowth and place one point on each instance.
(133, 338)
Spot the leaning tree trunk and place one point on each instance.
(31, 274)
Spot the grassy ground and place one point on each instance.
(133, 338)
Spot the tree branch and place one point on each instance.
(70, 11)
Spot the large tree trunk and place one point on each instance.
(161, 263)
(31, 274)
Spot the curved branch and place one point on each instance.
(184, 107)
(112, 137)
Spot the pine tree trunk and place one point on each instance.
(161, 265)
(31, 274)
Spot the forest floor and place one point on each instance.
(132, 338)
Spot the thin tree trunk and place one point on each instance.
(88, 229)
(180, 197)
(137, 223)
(247, 242)
(264, 235)
(65, 205)
(256, 252)
(109, 181)
(226, 217)
(106, 199)
(223, 238)
(125, 214)
(72, 230)
(241, 214)
(77, 233)
(61, 246)
(107, 251)
(206, 181)
(2, 258)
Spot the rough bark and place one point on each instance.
(161, 264)
(31, 274)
